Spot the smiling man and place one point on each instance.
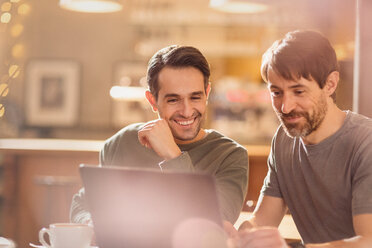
(178, 80)
(320, 165)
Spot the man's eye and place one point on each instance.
(172, 100)
(299, 92)
(195, 98)
(275, 93)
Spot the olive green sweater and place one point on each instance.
(214, 154)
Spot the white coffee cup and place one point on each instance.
(67, 235)
(6, 243)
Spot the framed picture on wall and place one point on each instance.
(52, 92)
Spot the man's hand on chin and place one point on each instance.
(158, 136)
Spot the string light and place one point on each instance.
(16, 30)
(13, 71)
(5, 18)
(4, 90)
(2, 110)
(24, 9)
(5, 7)
(9, 10)
(18, 50)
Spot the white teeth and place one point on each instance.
(185, 123)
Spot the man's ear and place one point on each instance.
(332, 82)
(208, 90)
(151, 99)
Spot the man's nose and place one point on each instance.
(186, 109)
(288, 104)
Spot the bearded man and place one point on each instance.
(320, 165)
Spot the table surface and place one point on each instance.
(51, 144)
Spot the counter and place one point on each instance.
(40, 177)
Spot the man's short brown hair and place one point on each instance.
(306, 54)
(175, 57)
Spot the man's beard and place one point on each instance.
(312, 122)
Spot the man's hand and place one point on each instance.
(258, 237)
(229, 229)
(157, 135)
(246, 225)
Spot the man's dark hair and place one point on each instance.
(306, 54)
(175, 57)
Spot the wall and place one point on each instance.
(233, 45)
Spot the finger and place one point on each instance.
(265, 231)
(266, 244)
(261, 237)
(154, 122)
(246, 225)
(142, 138)
(243, 238)
(229, 229)
(148, 126)
(231, 243)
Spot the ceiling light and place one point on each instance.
(91, 6)
(238, 6)
(128, 93)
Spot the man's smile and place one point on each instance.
(186, 122)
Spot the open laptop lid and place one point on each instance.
(147, 208)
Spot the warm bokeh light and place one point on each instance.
(340, 52)
(250, 203)
(125, 81)
(6, 6)
(16, 30)
(237, 6)
(128, 93)
(18, 50)
(92, 6)
(14, 71)
(5, 17)
(24, 9)
(143, 82)
(2, 110)
(14, 1)
(4, 90)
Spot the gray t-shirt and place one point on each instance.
(326, 184)
(215, 154)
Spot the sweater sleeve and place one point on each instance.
(231, 175)
(79, 211)
(180, 163)
(232, 182)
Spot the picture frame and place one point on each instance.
(52, 92)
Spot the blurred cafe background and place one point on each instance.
(72, 75)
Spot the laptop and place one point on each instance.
(133, 207)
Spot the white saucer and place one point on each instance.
(41, 246)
